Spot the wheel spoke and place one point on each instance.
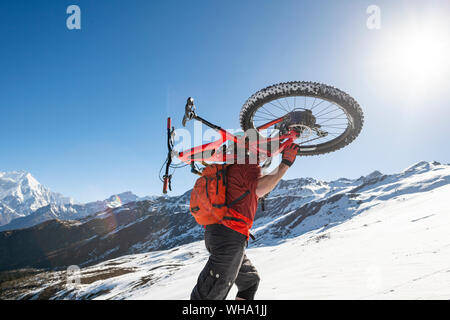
(288, 104)
(326, 121)
(269, 112)
(331, 118)
(281, 104)
(263, 118)
(314, 102)
(323, 110)
(333, 127)
(317, 104)
(332, 111)
(279, 107)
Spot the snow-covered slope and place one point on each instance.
(376, 237)
(330, 204)
(134, 227)
(7, 214)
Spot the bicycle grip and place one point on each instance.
(166, 180)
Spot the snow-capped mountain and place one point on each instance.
(7, 214)
(69, 211)
(378, 236)
(21, 194)
(24, 202)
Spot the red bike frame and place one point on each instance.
(210, 152)
(214, 151)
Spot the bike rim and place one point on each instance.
(331, 117)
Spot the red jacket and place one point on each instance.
(242, 180)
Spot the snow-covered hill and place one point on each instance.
(131, 228)
(379, 236)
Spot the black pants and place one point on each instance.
(226, 265)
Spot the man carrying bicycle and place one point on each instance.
(226, 241)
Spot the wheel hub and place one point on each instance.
(297, 120)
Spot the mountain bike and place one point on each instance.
(318, 117)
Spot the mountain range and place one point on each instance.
(21, 194)
(24, 202)
(144, 246)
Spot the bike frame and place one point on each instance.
(210, 152)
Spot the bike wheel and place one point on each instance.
(338, 118)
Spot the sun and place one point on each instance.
(418, 56)
(413, 58)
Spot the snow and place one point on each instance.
(22, 194)
(385, 252)
(397, 249)
(375, 237)
(24, 202)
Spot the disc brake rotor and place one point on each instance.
(302, 121)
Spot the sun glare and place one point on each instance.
(414, 58)
(419, 56)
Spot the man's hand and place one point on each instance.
(268, 182)
(290, 154)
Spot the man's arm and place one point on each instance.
(268, 182)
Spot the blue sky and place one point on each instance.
(85, 110)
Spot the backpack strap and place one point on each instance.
(221, 173)
(242, 196)
(234, 219)
(232, 203)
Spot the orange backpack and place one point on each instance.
(208, 198)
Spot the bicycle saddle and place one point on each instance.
(189, 111)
